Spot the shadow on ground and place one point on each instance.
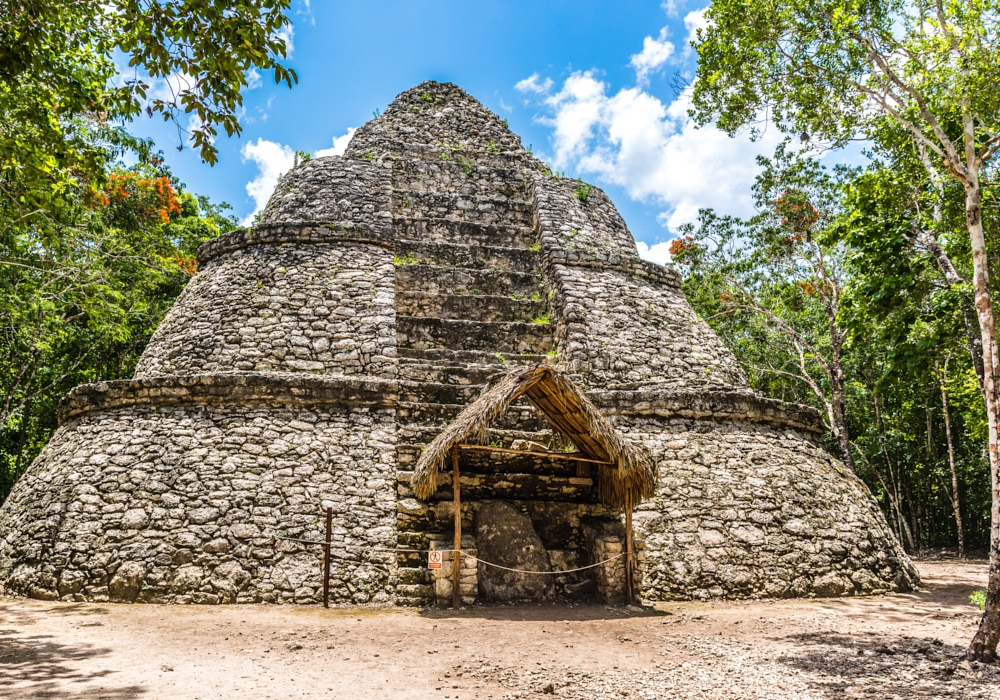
(870, 665)
(542, 612)
(38, 666)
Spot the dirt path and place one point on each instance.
(904, 646)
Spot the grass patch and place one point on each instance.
(542, 320)
(407, 259)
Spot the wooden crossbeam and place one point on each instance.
(553, 455)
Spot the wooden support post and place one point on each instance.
(326, 557)
(456, 556)
(629, 557)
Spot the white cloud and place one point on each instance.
(339, 144)
(287, 35)
(693, 21)
(654, 54)
(671, 7)
(651, 149)
(658, 252)
(170, 88)
(272, 159)
(531, 84)
(254, 80)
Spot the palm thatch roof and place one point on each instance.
(626, 474)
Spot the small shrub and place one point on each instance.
(493, 148)
(535, 246)
(537, 296)
(542, 320)
(582, 191)
(498, 358)
(552, 353)
(978, 598)
(468, 165)
(504, 122)
(407, 259)
(424, 97)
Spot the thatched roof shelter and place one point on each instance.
(626, 471)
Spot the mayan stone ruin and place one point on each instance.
(311, 358)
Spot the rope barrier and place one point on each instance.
(481, 561)
(550, 573)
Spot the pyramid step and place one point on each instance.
(438, 279)
(435, 414)
(413, 576)
(439, 230)
(419, 591)
(415, 370)
(412, 602)
(500, 360)
(463, 174)
(469, 307)
(433, 392)
(472, 255)
(487, 209)
(457, 334)
(507, 156)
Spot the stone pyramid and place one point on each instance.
(312, 356)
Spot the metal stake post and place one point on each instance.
(326, 557)
(456, 556)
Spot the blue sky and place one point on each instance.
(590, 85)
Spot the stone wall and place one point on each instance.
(620, 321)
(318, 307)
(752, 510)
(332, 190)
(190, 504)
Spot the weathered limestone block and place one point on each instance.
(504, 536)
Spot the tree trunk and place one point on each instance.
(955, 504)
(953, 278)
(984, 645)
(839, 413)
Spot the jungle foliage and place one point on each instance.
(92, 252)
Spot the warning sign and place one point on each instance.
(434, 560)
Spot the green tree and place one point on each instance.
(780, 274)
(833, 69)
(63, 104)
(79, 306)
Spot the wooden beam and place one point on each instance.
(552, 455)
(456, 556)
(629, 559)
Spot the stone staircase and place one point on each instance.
(470, 302)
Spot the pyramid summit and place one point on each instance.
(314, 356)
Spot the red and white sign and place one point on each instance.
(434, 560)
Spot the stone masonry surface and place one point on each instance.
(314, 355)
(192, 503)
(324, 308)
(750, 511)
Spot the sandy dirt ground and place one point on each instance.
(902, 646)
